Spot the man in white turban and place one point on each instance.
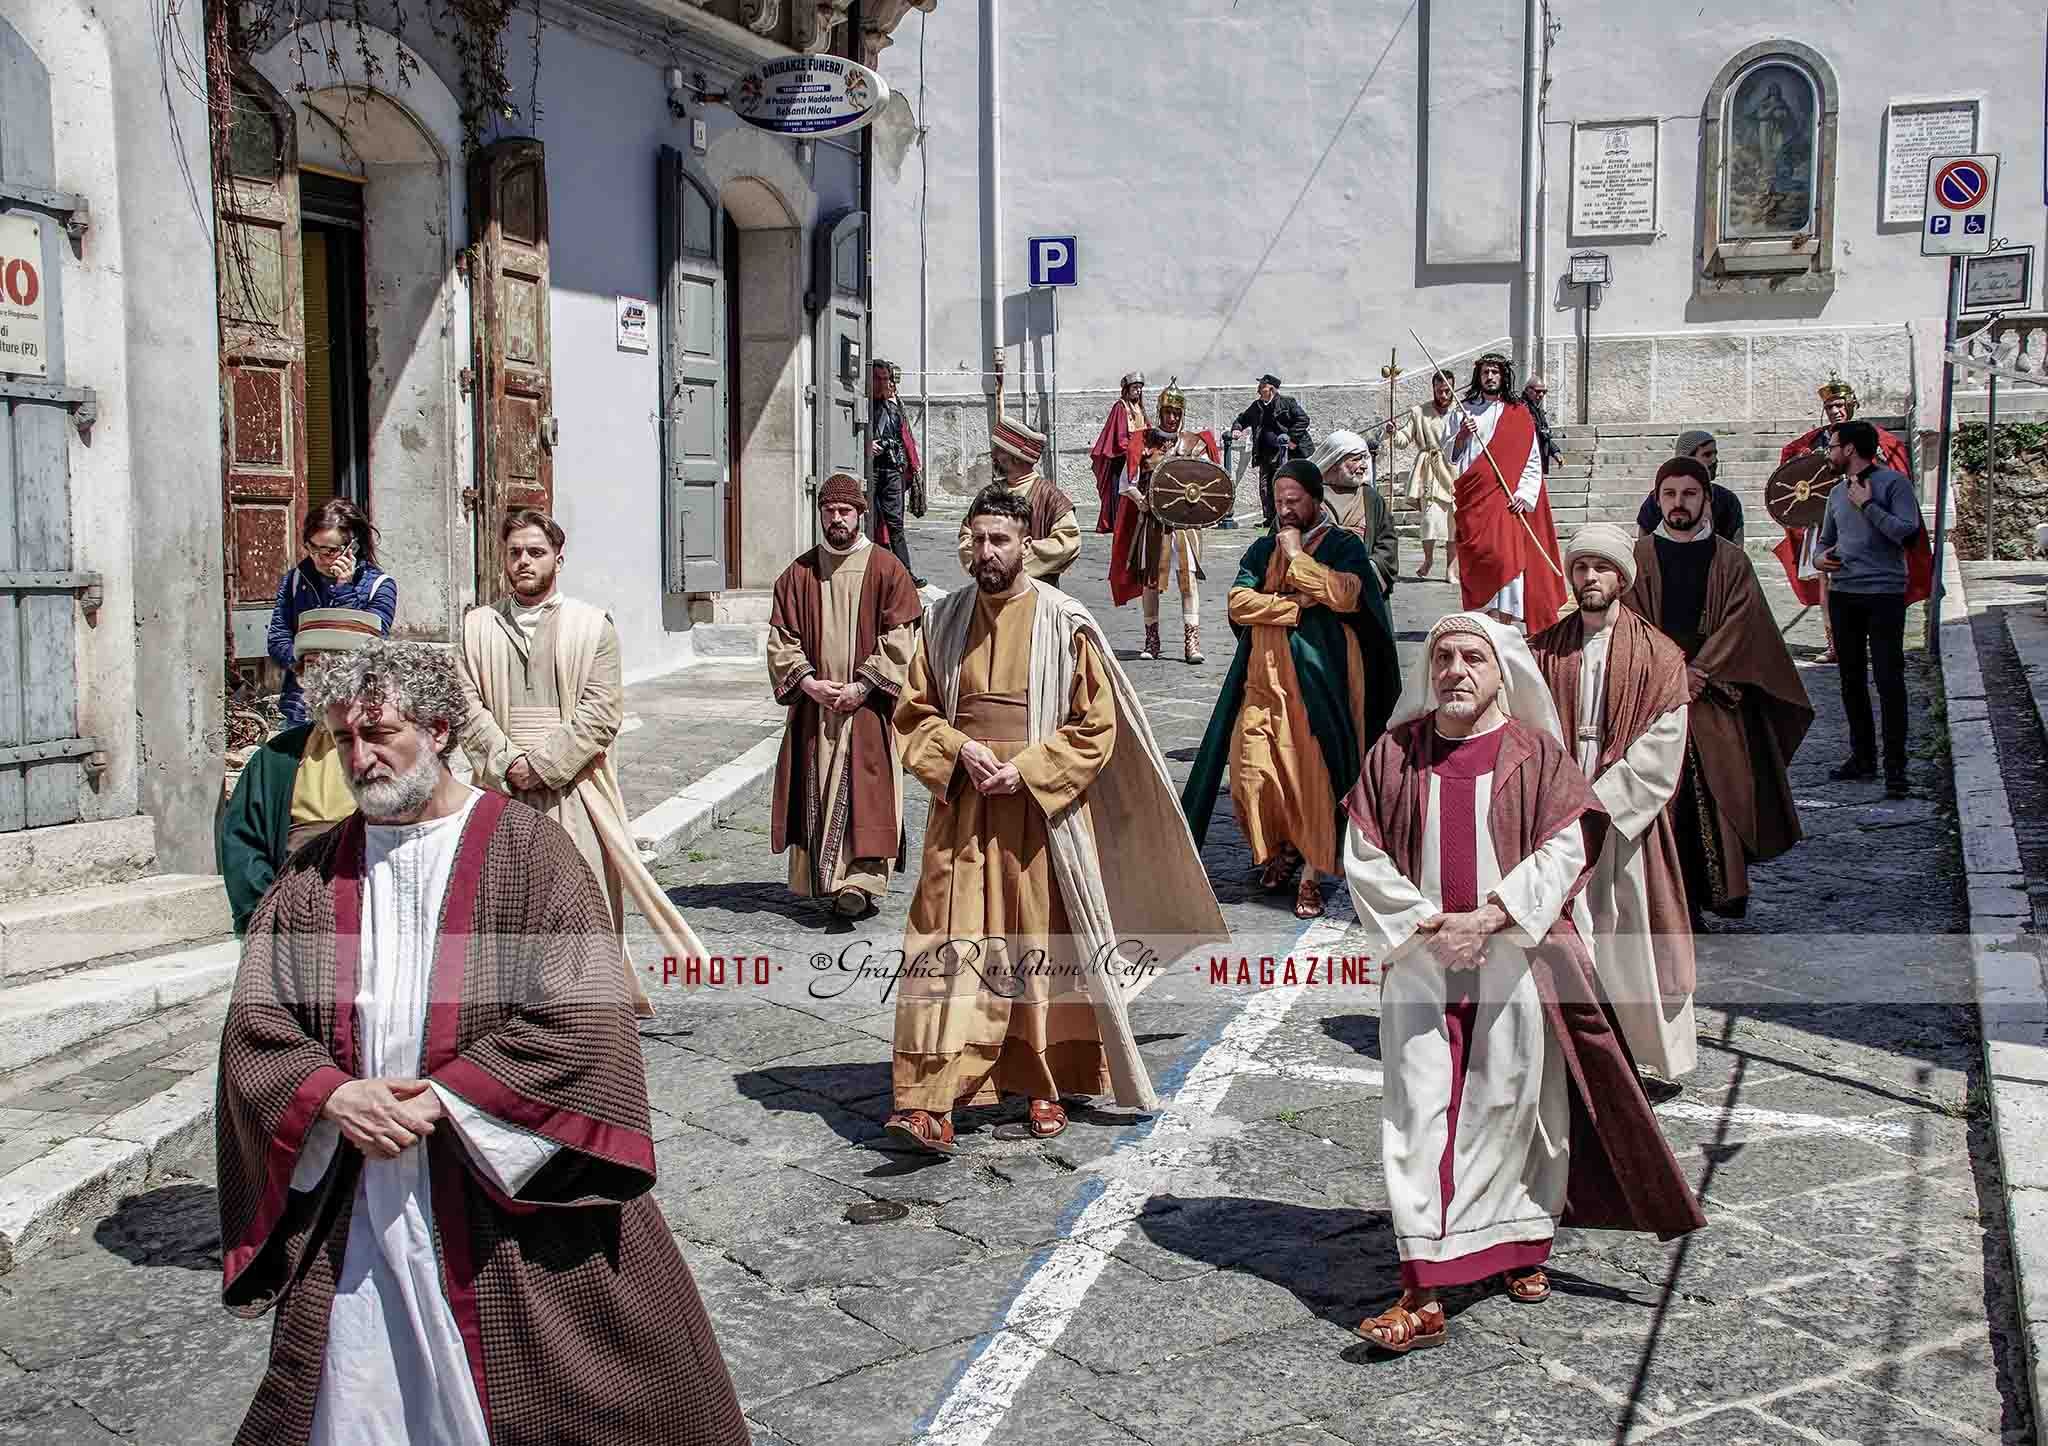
(1350, 479)
(1508, 1090)
(1621, 686)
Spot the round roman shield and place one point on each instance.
(1192, 492)
(1797, 493)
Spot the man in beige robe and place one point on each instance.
(1052, 534)
(1025, 943)
(540, 676)
(839, 642)
(1431, 481)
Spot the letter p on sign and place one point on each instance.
(1052, 261)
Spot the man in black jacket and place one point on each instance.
(1278, 429)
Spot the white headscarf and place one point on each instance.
(1525, 697)
(1334, 449)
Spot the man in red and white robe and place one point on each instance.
(1109, 458)
(1508, 563)
(1466, 853)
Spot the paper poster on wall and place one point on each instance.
(23, 310)
(1614, 178)
(1914, 131)
(633, 314)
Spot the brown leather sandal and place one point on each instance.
(1278, 870)
(1308, 899)
(1043, 1119)
(1399, 1330)
(923, 1130)
(1529, 1287)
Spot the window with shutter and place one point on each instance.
(694, 431)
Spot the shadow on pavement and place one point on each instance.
(174, 1225)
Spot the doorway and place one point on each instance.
(337, 373)
(729, 243)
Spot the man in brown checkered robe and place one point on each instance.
(432, 1123)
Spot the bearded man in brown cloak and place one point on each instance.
(1511, 1102)
(1620, 688)
(432, 1127)
(840, 636)
(1749, 710)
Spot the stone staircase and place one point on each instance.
(113, 978)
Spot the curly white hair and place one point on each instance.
(418, 679)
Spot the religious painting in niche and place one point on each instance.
(1771, 152)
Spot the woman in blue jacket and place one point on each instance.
(339, 571)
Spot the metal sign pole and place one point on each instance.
(1052, 427)
(1948, 397)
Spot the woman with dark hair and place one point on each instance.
(339, 570)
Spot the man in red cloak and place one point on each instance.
(1508, 564)
(1110, 456)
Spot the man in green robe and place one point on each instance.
(293, 788)
(1315, 679)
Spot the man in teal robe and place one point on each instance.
(1315, 679)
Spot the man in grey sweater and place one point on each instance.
(1872, 515)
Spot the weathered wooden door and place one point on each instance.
(515, 422)
(41, 754)
(262, 359)
(694, 439)
(838, 277)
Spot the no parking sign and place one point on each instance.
(1961, 194)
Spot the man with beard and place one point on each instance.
(1511, 1104)
(1025, 941)
(1110, 456)
(1725, 506)
(1278, 430)
(1145, 550)
(1749, 710)
(541, 673)
(1052, 537)
(1508, 566)
(840, 635)
(1621, 687)
(1533, 392)
(1431, 483)
(1344, 460)
(893, 459)
(1315, 676)
(432, 1133)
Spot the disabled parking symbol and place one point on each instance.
(1972, 225)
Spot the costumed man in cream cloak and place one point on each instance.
(839, 640)
(1620, 685)
(1432, 480)
(541, 674)
(1509, 1090)
(1031, 930)
(1052, 534)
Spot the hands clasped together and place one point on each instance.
(384, 1117)
(1458, 941)
(988, 774)
(835, 697)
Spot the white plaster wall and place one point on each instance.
(71, 43)
(1243, 183)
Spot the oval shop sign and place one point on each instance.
(809, 95)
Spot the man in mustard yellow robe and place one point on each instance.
(1025, 943)
(1315, 678)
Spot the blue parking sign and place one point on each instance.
(1937, 225)
(1052, 261)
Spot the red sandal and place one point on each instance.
(924, 1131)
(1399, 1330)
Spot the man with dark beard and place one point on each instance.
(1749, 710)
(1024, 941)
(1508, 566)
(432, 1133)
(840, 636)
(541, 673)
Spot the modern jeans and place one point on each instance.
(1870, 637)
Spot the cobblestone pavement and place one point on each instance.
(1193, 1279)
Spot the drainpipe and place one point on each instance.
(1534, 39)
(992, 165)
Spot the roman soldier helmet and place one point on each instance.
(1173, 398)
(1834, 389)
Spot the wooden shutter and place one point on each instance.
(515, 437)
(262, 358)
(693, 380)
(839, 272)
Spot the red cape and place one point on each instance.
(912, 465)
(1111, 444)
(1493, 546)
(1125, 584)
(1891, 452)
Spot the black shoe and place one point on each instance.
(1854, 769)
(1897, 788)
(1659, 1091)
(918, 582)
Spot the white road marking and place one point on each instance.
(979, 1397)
(1785, 1122)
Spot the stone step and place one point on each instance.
(71, 855)
(1610, 455)
(730, 640)
(50, 1016)
(50, 933)
(1779, 427)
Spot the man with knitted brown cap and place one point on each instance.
(1620, 687)
(1511, 1105)
(1749, 710)
(840, 636)
(1052, 535)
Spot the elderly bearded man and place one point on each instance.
(1024, 937)
(1749, 710)
(432, 1129)
(541, 672)
(1345, 461)
(1621, 689)
(1315, 676)
(1509, 1091)
(840, 635)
